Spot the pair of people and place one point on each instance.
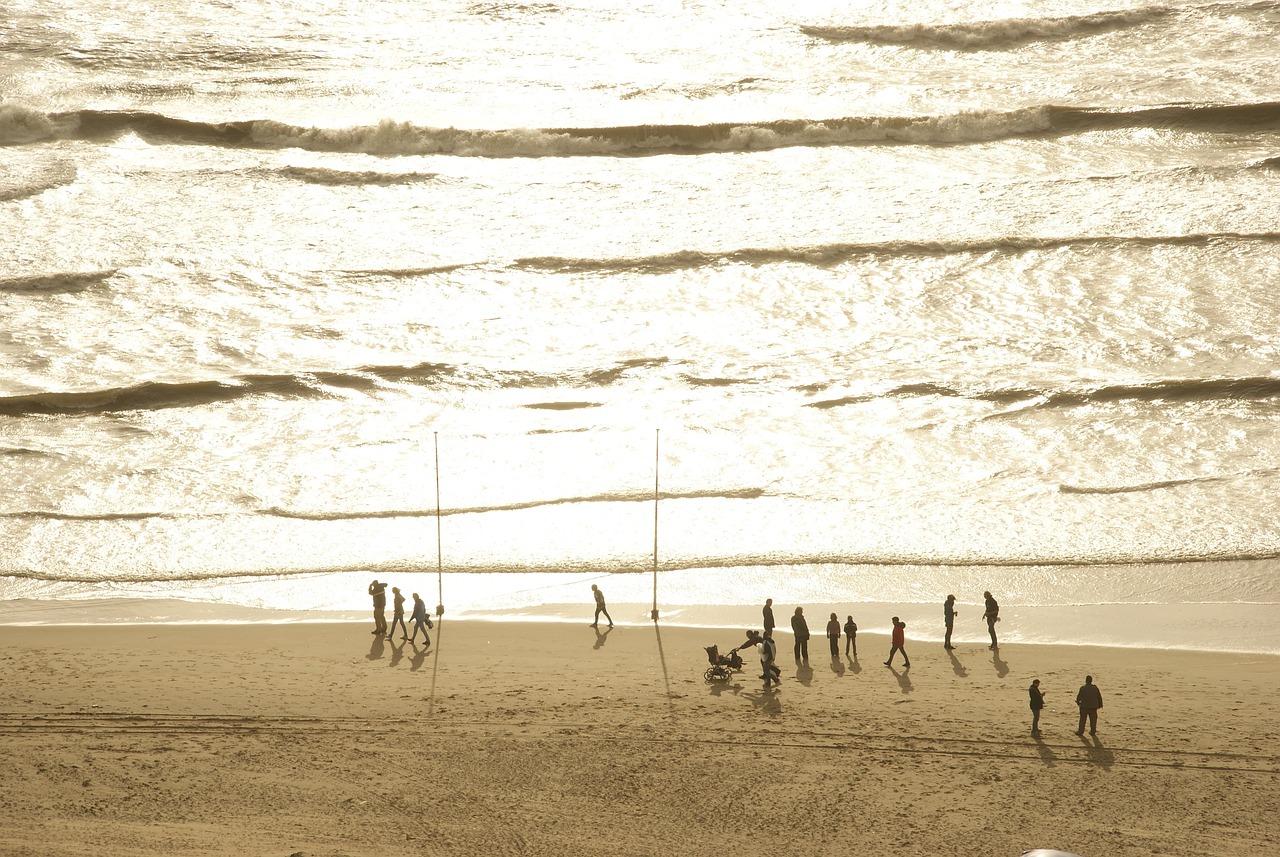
(421, 621)
(850, 636)
(1088, 700)
(990, 615)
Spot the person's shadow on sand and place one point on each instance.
(837, 667)
(854, 666)
(718, 688)
(376, 650)
(904, 678)
(804, 674)
(1098, 754)
(1002, 667)
(397, 654)
(767, 701)
(600, 638)
(419, 657)
(1046, 754)
(956, 666)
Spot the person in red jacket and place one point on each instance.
(899, 643)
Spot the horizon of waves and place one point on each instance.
(21, 125)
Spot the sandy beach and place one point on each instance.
(530, 738)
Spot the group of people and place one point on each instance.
(421, 620)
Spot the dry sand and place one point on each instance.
(513, 738)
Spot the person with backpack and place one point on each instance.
(420, 621)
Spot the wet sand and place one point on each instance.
(545, 739)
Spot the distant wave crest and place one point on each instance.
(64, 281)
(1143, 487)
(326, 176)
(20, 125)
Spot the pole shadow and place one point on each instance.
(662, 658)
(435, 666)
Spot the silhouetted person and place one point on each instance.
(949, 617)
(1037, 703)
(421, 621)
(1089, 698)
(800, 628)
(379, 593)
(397, 615)
(851, 636)
(899, 643)
(600, 608)
(769, 624)
(991, 615)
(768, 654)
(833, 635)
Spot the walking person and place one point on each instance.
(949, 617)
(833, 635)
(420, 621)
(899, 640)
(397, 615)
(768, 654)
(1089, 698)
(1037, 703)
(800, 628)
(769, 624)
(850, 637)
(991, 615)
(600, 608)
(379, 593)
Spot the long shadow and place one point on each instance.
(717, 688)
(397, 654)
(1002, 667)
(662, 658)
(1098, 754)
(435, 666)
(419, 656)
(854, 666)
(600, 638)
(767, 701)
(837, 666)
(377, 649)
(957, 667)
(804, 674)
(904, 678)
(1046, 753)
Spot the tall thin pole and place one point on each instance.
(435, 438)
(654, 615)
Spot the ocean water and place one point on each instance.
(935, 297)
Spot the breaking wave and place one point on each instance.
(325, 176)
(66, 281)
(28, 186)
(1142, 487)
(20, 125)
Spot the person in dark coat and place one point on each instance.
(421, 621)
(800, 628)
(851, 637)
(600, 608)
(769, 624)
(1089, 698)
(1037, 703)
(379, 593)
(991, 615)
(949, 618)
(833, 635)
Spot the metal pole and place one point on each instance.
(435, 437)
(654, 614)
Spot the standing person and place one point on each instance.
(420, 620)
(800, 628)
(1089, 698)
(949, 617)
(899, 643)
(397, 615)
(833, 635)
(769, 624)
(1037, 703)
(851, 637)
(992, 615)
(379, 593)
(600, 608)
(768, 654)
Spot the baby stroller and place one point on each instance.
(722, 666)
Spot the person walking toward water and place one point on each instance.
(420, 620)
(600, 608)
(851, 637)
(949, 617)
(379, 593)
(768, 654)
(899, 640)
(1037, 703)
(1089, 698)
(397, 615)
(769, 624)
(800, 628)
(833, 635)
(991, 615)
